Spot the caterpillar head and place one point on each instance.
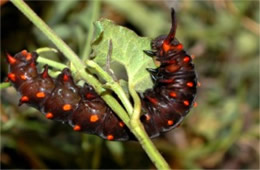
(22, 58)
(165, 43)
(161, 42)
(22, 66)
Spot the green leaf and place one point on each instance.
(128, 61)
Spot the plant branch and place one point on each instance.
(111, 84)
(139, 131)
(95, 13)
(51, 63)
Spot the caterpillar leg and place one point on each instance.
(150, 53)
(153, 73)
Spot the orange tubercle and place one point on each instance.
(170, 122)
(186, 59)
(45, 73)
(65, 77)
(179, 47)
(147, 117)
(49, 115)
(186, 102)
(199, 84)
(172, 68)
(110, 137)
(121, 124)
(28, 56)
(173, 94)
(166, 47)
(93, 118)
(24, 52)
(23, 77)
(152, 100)
(195, 104)
(11, 59)
(11, 76)
(24, 99)
(77, 128)
(189, 84)
(89, 96)
(32, 64)
(40, 95)
(66, 107)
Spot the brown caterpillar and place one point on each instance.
(163, 107)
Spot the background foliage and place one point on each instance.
(222, 132)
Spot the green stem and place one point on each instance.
(65, 49)
(112, 85)
(52, 63)
(95, 13)
(138, 130)
(46, 49)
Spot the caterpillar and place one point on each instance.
(163, 107)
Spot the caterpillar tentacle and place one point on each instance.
(163, 107)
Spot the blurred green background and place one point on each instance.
(222, 132)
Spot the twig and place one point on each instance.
(95, 6)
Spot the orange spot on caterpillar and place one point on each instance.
(66, 107)
(110, 137)
(24, 99)
(152, 100)
(11, 76)
(199, 84)
(179, 47)
(192, 56)
(186, 102)
(189, 84)
(49, 115)
(166, 46)
(45, 72)
(23, 77)
(173, 94)
(40, 95)
(195, 104)
(65, 77)
(11, 59)
(170, 122)
(24, 52)
(186, 59)
(172, 68)
(89, 96)
(77, 128)
(93, 118)
(147, 117)
(32, 64)
(121, 124)
(28, 56)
